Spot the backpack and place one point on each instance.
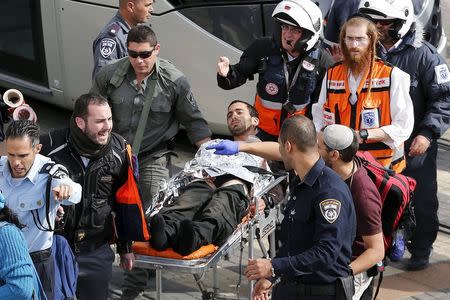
(395, 191)
(397, 211)
(66, 269)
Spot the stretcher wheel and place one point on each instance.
(208, 296)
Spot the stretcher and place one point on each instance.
(255, 228)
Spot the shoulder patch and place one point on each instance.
(442, 74)
(107, 46)
(330, 209)
(113, 29)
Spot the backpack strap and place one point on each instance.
(54, 171)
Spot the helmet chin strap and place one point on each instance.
(393, 31)
(302, 43)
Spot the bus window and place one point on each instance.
(21, 46)
(238, 25)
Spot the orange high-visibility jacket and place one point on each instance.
(370, 110)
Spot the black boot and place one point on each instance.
(158, 237)
(188, 240)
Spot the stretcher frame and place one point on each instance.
(256, 228)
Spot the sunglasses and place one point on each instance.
(142, 54)
(384, 22)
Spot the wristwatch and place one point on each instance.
(363, 134)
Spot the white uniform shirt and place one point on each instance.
(26, 196)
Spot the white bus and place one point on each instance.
(46, 45)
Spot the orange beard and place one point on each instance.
(357, 62)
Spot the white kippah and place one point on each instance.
(338, 137)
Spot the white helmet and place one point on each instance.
(301, 13)
(401, 10)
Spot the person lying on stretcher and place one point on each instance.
(209, 208)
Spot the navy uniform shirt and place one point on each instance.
(111, 43)
(318, 229)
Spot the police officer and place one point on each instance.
(23, 182)
(110, 44)
(402, 45)
(145, 81)
(290, 66)
(319, 226)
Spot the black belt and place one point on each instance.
(87, 246)
(39, 256)
(310, 289)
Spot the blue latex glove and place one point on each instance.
(225, 147)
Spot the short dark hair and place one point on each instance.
(348, 153)
(22, 129)
(142, 34)
(9, 216)
(300, 131)
(251, 109)
(80, 108)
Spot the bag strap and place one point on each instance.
(48, 168)
(380, 280)
(144, 114)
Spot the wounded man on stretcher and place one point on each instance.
(205, 202)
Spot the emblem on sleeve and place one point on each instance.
(330, 209)
(271, 88)
(442, 73)
(107, 46)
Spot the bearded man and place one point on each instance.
(210, 206)
(367, 95)
(95, 158)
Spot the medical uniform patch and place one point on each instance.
(271, 88)
(330, 209)
(107, 46)
(369, 119)
(308, 66)
(442, 73)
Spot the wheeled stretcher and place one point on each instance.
(255, 228)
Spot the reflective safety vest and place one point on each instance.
(272, 91)
(370, 110)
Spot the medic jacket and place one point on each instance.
(430, 83)
(265, 57)
(89, 224)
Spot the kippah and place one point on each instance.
(338, 137)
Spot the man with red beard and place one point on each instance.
(367, 95)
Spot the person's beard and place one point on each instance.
(359, 62)
(239, 130)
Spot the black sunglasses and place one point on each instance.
(142, 54)
(383, 22)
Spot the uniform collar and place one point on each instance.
(123, 24)
(153, 75)
(314, 173)
(32, 174)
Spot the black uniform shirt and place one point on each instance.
(318, 229)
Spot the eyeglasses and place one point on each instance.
(357, 40)
(293, 29)
(383, 22)
(142, 54)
